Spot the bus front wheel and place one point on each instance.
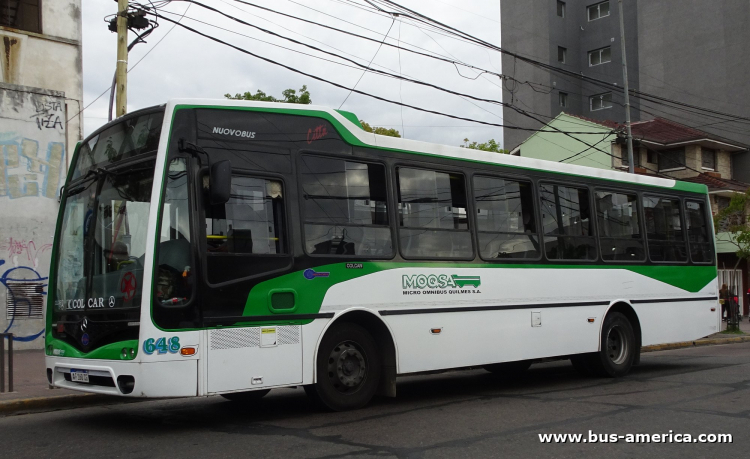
(348, 367)
(617, 350)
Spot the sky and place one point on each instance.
(178, 63)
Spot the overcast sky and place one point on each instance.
(188, 65)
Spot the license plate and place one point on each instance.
(79, 376)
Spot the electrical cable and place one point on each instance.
(318, 78)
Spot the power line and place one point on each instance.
(411, 80)
(422, 18)
(318, 78)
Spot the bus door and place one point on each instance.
(245, 246)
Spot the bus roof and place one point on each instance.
(353, 134)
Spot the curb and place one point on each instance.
(700, 342)
(58, 402)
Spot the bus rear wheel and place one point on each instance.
(348, 368)
(617, 350)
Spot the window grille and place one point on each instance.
(24, 300)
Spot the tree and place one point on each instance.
(490, 145)
(379, 130)
(732, 220)
(290, 96)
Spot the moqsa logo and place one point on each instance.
(438, 281)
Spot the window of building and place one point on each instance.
(666, 240)
(563, 98)
(620, 234)
(671, 159)
(560, 9)
(568, 233)
(722, 202)
(600, 101)
(699, 232)
(708, 158)
(506, 225)
(624, 156)
(600, 56)
(432, 214)
(598, 11)
(562, 53)
(651, 157)
(345, 208)
(21, 14)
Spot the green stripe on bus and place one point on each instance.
(312, 291)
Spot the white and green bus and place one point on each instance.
(222, 247)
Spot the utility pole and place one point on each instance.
(631, 165)
(121, 76)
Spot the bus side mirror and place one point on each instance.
(220, 182)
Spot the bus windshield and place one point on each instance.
(102, 239)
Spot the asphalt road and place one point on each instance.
(458, 414)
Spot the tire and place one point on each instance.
(508, 369)
(617, 348)
(246, 397)
(348, 368)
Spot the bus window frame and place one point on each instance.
(592, 217)
(435, 167)
(193, 301)
(535, 210)
(203, 245)
(709, 219)
(682, 222)
(389, 203)
(641, 223)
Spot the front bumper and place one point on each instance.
(177, 378)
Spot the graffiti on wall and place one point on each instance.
(23, 250)
(20, 274)
(26, 170)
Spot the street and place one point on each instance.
(700, 390)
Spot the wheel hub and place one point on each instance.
(347, 367)
(617, 346)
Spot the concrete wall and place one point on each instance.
(50, 60)
(41, 92)
(696, 52)
(32, 168)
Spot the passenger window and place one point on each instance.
(251, 221)
(345, 208)
(566, 221)
(506, 225)
(432, 215)
(699, 232)
(251, 224)
(666, 240)
(620, 236)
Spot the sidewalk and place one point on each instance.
(31, 390)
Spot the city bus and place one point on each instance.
(233, 247)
